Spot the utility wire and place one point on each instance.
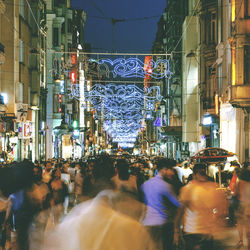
(32, 13)
(126, 19)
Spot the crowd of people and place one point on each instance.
(108, 202)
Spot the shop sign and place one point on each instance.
(27, 130)
(21, 112)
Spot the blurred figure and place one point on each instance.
(162, 204)
(179, 171)
(123, 180)
(28, 203)
(66, 178)
(234, 199)
(5, 207)
(95, 225)
(39, 200)
(59, 191)
(47, 173)
(243, 211)
(204, 209)
(79, 177)
(126, 198)
(186, 172)
(173, 179)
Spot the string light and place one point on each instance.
(134, 67)
(123, 107)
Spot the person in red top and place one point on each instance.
(243, 211)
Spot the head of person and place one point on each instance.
(200, 170)
(122, 167)
(37, 173)
(103, 168)
(56, 174)
(165, 167)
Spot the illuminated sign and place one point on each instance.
(73, 76)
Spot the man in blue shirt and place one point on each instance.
(162, 204)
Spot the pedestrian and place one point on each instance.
(5, 208)
(95, 224)
(243, 210)
(79, 178)
(126, 199)
(123, 180)
(59, 191)
(162, 204)
(203, 211)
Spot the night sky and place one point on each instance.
(135, 34)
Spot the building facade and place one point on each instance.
(20, 77)
(233, 63)
(59, 41)
(169, 40)
(216, 56)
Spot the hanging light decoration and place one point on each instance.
(122, 106)
(133, 67)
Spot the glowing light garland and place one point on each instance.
(134, 67)
(123, 139)
(122, 107)
(126, 145)
(125, 97)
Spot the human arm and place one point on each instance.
(178, 225)
(7, 214)
(170, 195)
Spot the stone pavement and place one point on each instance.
(231, 240)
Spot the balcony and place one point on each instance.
(2, 54)
(240, 96)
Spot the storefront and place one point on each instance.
(25, 147)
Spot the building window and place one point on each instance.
(69, 25)
(20, 92)
(56, 104)
(69, 47)
(210, 88)
(30, 18)
(233, 67)
(212, 28)
(63, 28)
(220, 79)
(233, 10)
(247, 9)
(21, 59)
(247, 64)
(55, 37)
(21, 8)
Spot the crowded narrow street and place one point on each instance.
(124, 125)
(61, 204)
